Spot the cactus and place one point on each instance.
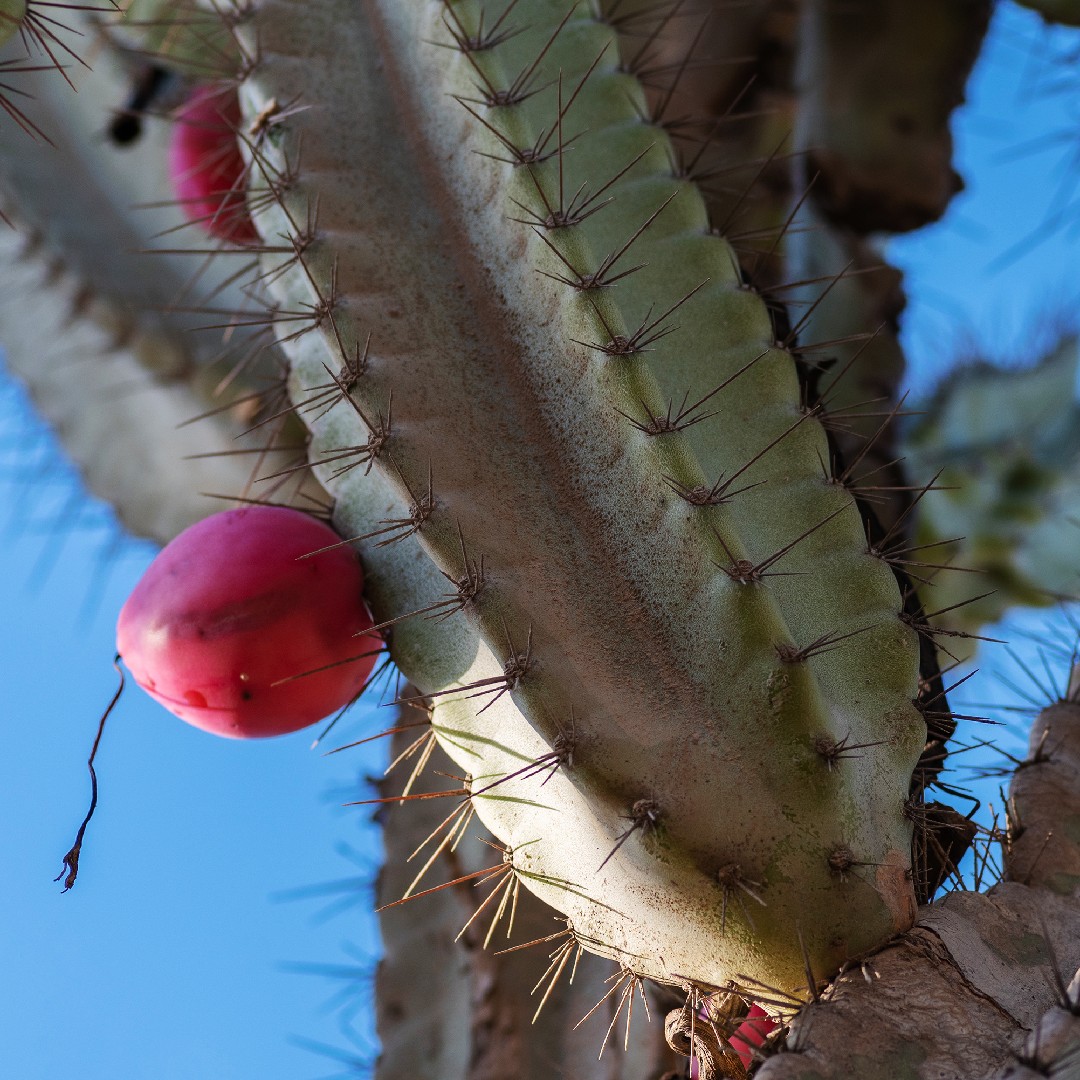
(1066, 12)
(603, 487)
(1000, 447)
(626, 457)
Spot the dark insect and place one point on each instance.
(150, 84)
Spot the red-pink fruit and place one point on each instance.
(206, 167)
(751, 1033)
(229, 609)
(748, 1036)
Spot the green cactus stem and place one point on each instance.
(12, 13)
(146, 461)
(503, 341)
(502, 1020)
(188, 37)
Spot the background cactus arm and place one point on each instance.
(1005, 444)
(883, 80)
(1066, 12)
(135, 391)
(84, 297)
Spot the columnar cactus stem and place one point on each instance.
(622, 507)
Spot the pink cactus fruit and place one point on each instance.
(231, 608)
(748, 1036)
(751, 1033)
(206, 167)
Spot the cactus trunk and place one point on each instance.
(612, 486)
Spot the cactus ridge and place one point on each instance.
(603, 377)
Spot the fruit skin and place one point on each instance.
(751, 1033)
(229, 608)
(206, 167)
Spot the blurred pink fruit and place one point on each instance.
(749, 1035)
(206, 167)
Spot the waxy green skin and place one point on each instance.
(503, 393)
(12, 13)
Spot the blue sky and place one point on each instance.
(175, 957)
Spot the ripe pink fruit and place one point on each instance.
(751, 1033)
(748, 1036)
(206, 167)
(229, 609)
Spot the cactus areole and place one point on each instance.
(239, 630)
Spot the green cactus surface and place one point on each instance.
(12, 13)
(188, 37)
(576, 413)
